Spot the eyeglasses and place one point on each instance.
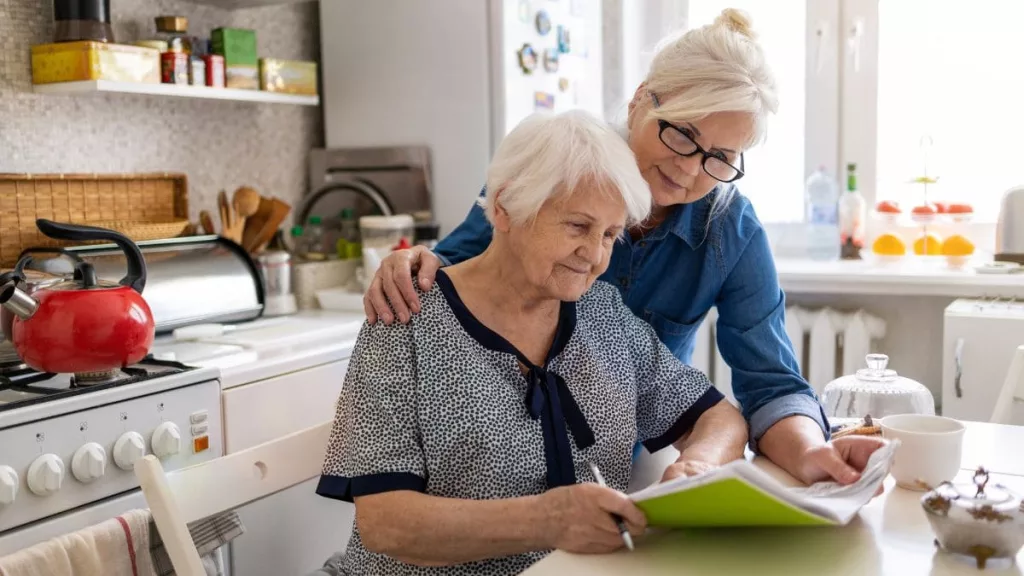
(680, 140)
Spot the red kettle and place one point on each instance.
(82, 325)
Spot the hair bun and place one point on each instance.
(737, 21)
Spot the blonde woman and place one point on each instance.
(706, 100)
(465, 436)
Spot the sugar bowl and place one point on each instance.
(979, 520)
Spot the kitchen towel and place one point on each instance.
(208, 534)
(116, 547)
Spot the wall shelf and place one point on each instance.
(176, 90)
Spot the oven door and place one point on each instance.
(20, 538)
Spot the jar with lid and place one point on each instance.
(380, 235)
(876, 391)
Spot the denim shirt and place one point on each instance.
(676, 273)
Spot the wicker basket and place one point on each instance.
(140, 206)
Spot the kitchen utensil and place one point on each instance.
(84, 325)
(254, 224)
(1010, 227)
(246, 201)
(231, 225)
(930, 448)
(276, 269)
(981, 519)
(877, 392)
(195, 280)
(278, 212)
(207, 221)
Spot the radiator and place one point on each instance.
(828, 343)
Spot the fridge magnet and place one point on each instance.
(551, 59)
(527, 59)
(543, 23)
(543, 101)
(563, 40)
(563, 84)
(524, 11)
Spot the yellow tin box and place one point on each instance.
(75, 61)
(288, 76)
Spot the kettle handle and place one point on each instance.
(136, 276)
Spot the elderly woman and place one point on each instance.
(706, 100)
(465, 436)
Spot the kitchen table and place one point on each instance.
(891, 535)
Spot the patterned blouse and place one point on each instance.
(441, 406)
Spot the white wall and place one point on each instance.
(366, 104)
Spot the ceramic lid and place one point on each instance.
(978, 494)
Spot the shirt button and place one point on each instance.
(643, 243)
(624, 281)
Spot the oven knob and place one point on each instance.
(46, 474)
(166, 440)
(8, 485)
(89, 462)
(129, 448)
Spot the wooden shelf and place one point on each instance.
(176, 90)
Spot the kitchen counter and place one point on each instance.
(909, 278)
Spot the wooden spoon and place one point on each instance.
(207, 222)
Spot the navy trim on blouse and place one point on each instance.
(346, 489)
(548, 398)
(685, 421)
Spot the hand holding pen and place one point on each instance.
(589, 518)
(619, 522)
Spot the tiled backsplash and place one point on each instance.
(218, 144)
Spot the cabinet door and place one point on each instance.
(293, 531)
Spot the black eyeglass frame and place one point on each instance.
(664, 125)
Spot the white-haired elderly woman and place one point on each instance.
(706, 99)
(465, 436)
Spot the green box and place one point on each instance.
(236, 45)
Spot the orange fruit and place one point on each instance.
(929, 244)
(889, 245)
(957, 245)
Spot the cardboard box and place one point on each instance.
(86, 60)
(288, 76)
(236, 45)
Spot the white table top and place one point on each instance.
(890, 536)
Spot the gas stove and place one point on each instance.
(24, 386)
(69, 441)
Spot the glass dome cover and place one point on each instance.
(876, 391)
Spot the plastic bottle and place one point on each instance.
(852, 215)
(821, 201)
(314, 233)
(348, 245)
(298, 242)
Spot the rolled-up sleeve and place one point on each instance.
(752, 339)
(671, 396)
(469, 239)
(375, 442)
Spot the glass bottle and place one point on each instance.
(852, 216)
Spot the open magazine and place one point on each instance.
(741, 494)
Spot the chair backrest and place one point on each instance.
(1011, 392)
(183, 496)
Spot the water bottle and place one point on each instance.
(822, 216)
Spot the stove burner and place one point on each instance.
(15, 367)
(94, 378)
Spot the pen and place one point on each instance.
(623, 531)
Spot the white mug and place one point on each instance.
(930, 449)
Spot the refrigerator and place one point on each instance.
(454, 76)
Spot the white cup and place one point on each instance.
(930, 449)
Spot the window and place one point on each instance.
(775, 170)
(950, 73)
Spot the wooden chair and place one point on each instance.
(1011, 392)
(183, 496)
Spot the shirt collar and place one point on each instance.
(690, 221)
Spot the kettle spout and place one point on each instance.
(17, 301)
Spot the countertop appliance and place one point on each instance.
(68, 446)
(980, 337)
(454, 78)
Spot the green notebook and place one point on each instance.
(741, 494)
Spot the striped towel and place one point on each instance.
(208, 534)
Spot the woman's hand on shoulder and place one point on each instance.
(579, 519)
(393, 284)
